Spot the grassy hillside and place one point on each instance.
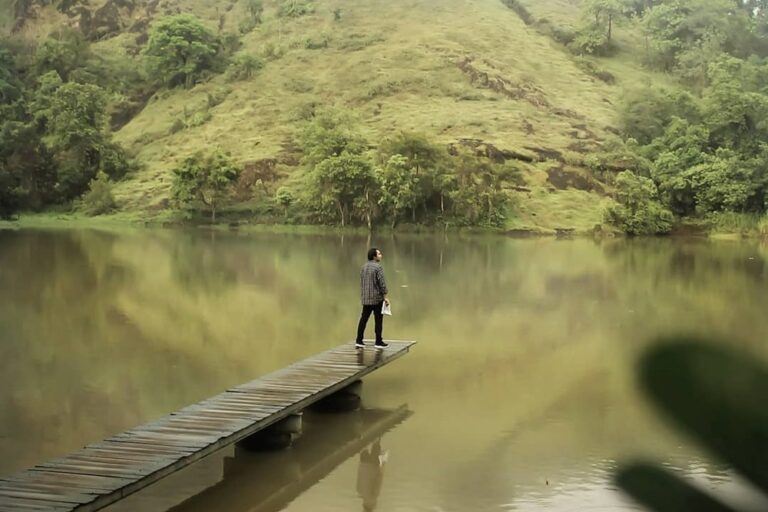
(454, 69)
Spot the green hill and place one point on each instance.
(464, 72)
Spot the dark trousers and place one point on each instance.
(378, 321)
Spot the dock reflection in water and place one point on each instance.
(269, 481)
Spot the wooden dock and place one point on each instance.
(103, 473)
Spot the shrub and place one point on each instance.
(589, 68)
(355, 42)
(294, 8)
(563, 35)
(177, 126)
(299, 85)
(98, 199)
(271, 51)
(591, 41)
(244, 67)
(385, 88)
(246, 25)
(217, 97)
(230, 43)
(762, 226)
(319, 43)
(199, 119)
(638, 211)
(114, 162)
(254, 9)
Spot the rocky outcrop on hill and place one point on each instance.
(496, 82)
(488, 150)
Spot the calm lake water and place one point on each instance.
(519, 396)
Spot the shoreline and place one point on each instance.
(695, 229)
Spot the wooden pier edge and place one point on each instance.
(242, 434)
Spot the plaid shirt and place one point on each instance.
(373, 287)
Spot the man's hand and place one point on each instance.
(386, 301)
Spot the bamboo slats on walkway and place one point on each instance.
(105, 472)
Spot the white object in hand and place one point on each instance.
(386, 309)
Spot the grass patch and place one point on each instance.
(742, 224)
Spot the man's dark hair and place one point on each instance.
(372, 253)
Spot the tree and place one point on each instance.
(639, 212)
(254, 9)
(75, 117)
(206, 178)
(180, 49)
(604, 12)
(284, 198)
(445, 185)
(726, 181)
(399, 188)
(680, 25)
(345, 184)
(70, 119)
(425, 160)
(479, 198)
(416, 147)
(10, 84)
(27, 170)
(330, 133)
(10, 195)
(682, 146)
(733, 113)
(65, 51)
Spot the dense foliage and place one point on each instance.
(180, 50)
(206, 179)
(54, 137)
(408, 178)
(699, 150)
(59, 103)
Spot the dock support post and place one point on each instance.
(344, 400)
(277, 436)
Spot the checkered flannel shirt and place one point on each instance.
(373, 287)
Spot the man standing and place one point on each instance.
(373, 294)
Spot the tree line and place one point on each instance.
(345, 181)
(700, 149)
(54, 137)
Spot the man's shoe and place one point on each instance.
(359, 344)
(381, 344)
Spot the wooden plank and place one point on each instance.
(43, 495)
(102, 473)
(41, 476)
(19, 504)
(83, 468)
(129, 447)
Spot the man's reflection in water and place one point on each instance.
(370, 474)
